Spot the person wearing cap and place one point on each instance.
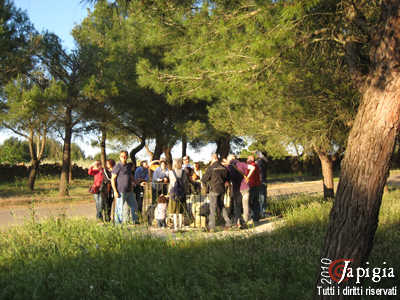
(154, 164)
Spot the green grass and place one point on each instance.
(77, 259)
(299, 176)
(284, 205)
(46, 190)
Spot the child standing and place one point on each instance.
(160, 212)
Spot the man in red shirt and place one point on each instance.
(254, 181)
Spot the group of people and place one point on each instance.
(119, 189)
(245, 184)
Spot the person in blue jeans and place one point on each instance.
(122, 185)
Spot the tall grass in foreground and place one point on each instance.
(77, 259)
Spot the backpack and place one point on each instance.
(178, 190)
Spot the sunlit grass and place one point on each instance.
(77, 259)
(46, 190)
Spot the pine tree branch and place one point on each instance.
(14, 130)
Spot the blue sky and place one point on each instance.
(56, 16)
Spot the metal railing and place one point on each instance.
(196, 206)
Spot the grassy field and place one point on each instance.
(46, 190)
(77, 259)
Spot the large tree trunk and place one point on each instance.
(36, 153)
(70, 172)
(223, 146)
(34, 163)
(33, 173)
(135, 150)
(158, 150)
(149, 152)
(184, 145)
(66, 160)
(327, 174)
(398, 152)
(168, 156)
(103, 156)
(365, 167)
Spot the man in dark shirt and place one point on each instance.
(216, 177)
(122, 184)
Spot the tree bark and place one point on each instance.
(103, 156)
(158, 150)
(398, 151)
(354, 216)
(36, 153)
(223, 146)
(327, 174)
(33, 154)
(149, 152)
(135, 150)
(32, 174)
(70, 172)
(184, 145)
(168, 157)
(66, 159)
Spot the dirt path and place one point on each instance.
(265, 225)
(282, 189)
(14, 215)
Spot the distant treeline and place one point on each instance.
(311, 165)
(14, 150)
(287, 165)
(10, 173)
(293, 164)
